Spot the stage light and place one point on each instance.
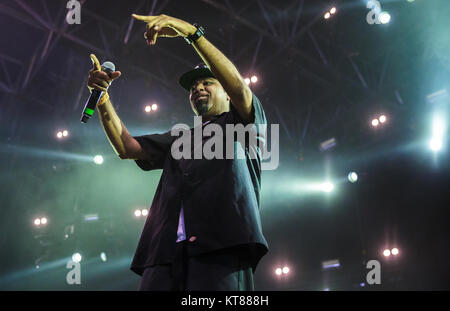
(438, 127)
(375, 122)
(333, 10)
(76, 257)
(62, 134)
(98, 159)
(90, 217)
(137, 213)
(144, 212)
(387, 253)
(40, 221)
(278, 271)
(435, 144)
(394, 251)
(438, 96)
(148, 108)
(247, 81)
(103, 257)
(362, 284)
(352, 177)
(330, 264)
(327, 15)
(384, 17)
(327, 187)
(328, 144)
(154, 107)
(254, 79)
(285, 270)
(438, 132)
(382, 118)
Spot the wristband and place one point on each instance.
(192, 38)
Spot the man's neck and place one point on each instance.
(208, 118)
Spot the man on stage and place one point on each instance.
(203, 230)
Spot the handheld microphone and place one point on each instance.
(89, 107)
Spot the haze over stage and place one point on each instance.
(362, 108)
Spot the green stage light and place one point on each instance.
(438, 133)
(76, 257)
(435, 144)
(98, 159)
(103, 257)
(327, 187)
(352, 177)
(384, 17)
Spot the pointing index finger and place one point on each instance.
(142, 17)
(95, 62)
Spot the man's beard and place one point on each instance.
(202, 106)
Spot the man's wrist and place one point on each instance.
(197, 33)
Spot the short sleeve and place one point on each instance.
(259, 130)
(157, 148)
(258, 116)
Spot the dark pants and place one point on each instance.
(223, 270)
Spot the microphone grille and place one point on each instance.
(108, 66)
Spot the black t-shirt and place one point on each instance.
(220, 197)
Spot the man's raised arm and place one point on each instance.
(228, 75)
(222, 68)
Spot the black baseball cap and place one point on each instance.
(200, 71)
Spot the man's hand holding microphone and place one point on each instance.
(100, 77)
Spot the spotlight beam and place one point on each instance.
(44, 153)
(255, 54)
(21, 274)
(358, 72)
(317, 47)
(267, 18)
(297, 18)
